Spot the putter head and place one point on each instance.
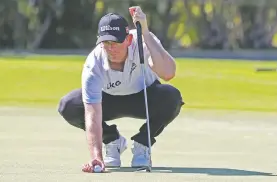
(146, 168)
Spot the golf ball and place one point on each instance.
(97, 169)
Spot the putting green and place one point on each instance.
(207, 84)
(37, 145)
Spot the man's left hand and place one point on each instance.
(138, 15)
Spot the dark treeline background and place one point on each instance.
(179, 24)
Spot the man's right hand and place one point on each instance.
(93, 118)
(88, 168)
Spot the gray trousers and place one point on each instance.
(164, 104)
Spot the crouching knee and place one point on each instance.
(173, 98)
(71, 109)
(64, 108)
(172, 101)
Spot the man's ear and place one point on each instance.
(129, 39)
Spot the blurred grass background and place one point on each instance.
(40, 81)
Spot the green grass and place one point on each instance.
(213, 84)
(227, 85)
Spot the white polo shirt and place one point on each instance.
(97, 76)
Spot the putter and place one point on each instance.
(141, 56)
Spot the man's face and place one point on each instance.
(117, 51)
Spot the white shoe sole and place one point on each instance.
(139, 165)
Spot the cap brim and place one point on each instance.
(108, 38)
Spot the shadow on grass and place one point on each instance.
(208, 171)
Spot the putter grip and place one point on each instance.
(139, 39)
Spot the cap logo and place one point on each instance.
(108, 27)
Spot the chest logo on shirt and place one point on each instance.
(113, 85)
(133, 67)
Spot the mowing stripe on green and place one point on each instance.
(214, 84)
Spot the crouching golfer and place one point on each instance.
(112, 88)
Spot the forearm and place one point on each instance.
(163, 62)
(93, 120)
